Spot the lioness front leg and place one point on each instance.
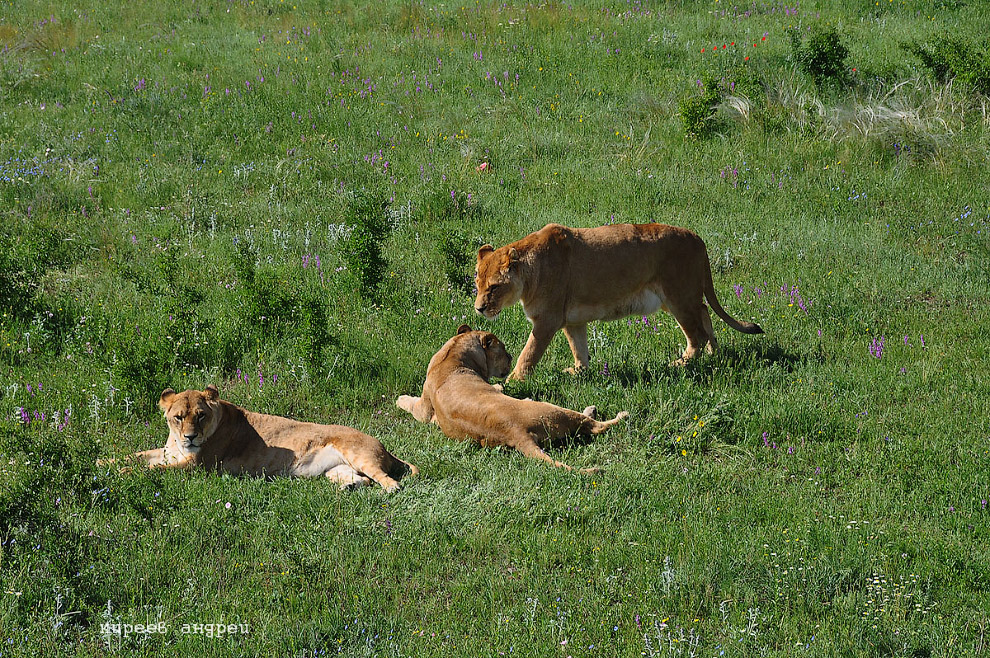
(539, 340)
(420, 408)
(577, 338)
(156, 458)
(161, 459)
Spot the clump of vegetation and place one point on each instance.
(822, 55)
(48, 473)
(364, 252)
(456, 251)
(946, 57)
(699, 112)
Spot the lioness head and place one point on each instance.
(498, 279)
(192, 416)
(496, 359)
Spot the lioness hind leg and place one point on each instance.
(527, 445)
(706, 317)
(345, 476)
(600, 426)
(692, 320)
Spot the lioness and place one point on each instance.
(204, 430)
(458, 398)
(567, 277)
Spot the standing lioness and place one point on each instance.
(567, 277)
(204, 430)
(458, 398)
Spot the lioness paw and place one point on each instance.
(406, 402)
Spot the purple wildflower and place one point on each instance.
(876, 347)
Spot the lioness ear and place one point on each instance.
(212, 393)
(513, 255)
(166, 398)
(487, 340)
(484, 251)
(463, 329)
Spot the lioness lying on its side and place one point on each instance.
(458, 398)
(567, 277)
(207, 431)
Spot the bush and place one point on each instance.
(28, 251)
(455, 248)
(948, 57)
(822, 55)
(44, 552)
(364, 252)
(700, 112)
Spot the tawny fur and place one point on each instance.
(567, 277)
(213, 433)
(458, 398)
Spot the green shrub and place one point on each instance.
(947, 57)
(456, 251)
(28, 251)
(699, 112)
(317, 339)
(441, 203)
(364, 251)
(44, 552)
(141, 360)
(822, 55)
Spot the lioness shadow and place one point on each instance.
(703, 368)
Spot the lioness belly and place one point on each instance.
(645, 302)
(318, 462)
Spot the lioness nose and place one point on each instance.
(190, 436)
(480, 309)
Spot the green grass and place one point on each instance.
(180, 188)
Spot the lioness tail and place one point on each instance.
(744, 327)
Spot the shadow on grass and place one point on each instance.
(702, 369)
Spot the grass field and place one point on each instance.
(284, 198)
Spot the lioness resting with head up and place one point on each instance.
(567, 277)
(458, 398)
(204, 430)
